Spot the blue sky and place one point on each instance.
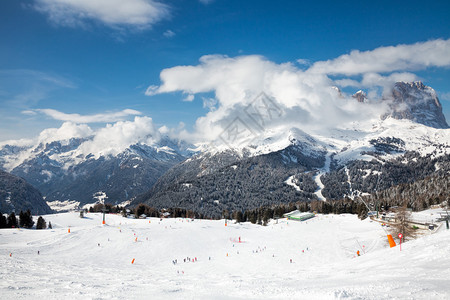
(61, 61)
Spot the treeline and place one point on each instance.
(25, 220)
(109, 208)
(144, 209)
(260, 215)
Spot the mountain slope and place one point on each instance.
(16, 195)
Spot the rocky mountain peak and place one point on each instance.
(360, 96)
(417, 102)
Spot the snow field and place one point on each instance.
(93, 261)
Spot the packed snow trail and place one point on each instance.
(324, 170)
(94, 260)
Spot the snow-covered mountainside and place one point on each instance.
(17, 195)
(292, 165)
(64, 172)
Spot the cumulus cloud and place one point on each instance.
(115, 138)
(140, 14)
(67, 131)
(97, 118)
(306, 98)
(435, 53)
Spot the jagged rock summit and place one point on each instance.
(416, 102)
(360, 96)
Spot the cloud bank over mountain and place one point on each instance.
(305, 97)
(311, 99)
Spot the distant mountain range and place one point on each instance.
(407, 143)
(70, 180)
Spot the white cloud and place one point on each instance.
(189, 98)
(140, 14)
(97, 118)
(29, 112)
(377, 80)
(115, 138)
(303, 62)
(305, 97)
(388, 59)
(169, 33)
(374, 79)
(67, 131)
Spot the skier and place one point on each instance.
(357, 252)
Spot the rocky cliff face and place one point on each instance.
(416, 102)
(16, 195)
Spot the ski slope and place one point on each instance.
(93, 261)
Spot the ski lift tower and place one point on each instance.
(104, 210)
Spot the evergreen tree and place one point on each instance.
(25, 219)
(266, 215)
(11, 222)
(3, 222)
(238, 216)
(41, 224)
(252, 216)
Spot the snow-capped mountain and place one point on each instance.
(66, 174)
(407, 144)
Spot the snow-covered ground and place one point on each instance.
(93, 261)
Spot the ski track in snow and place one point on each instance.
(73, 265)
(325, 169)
